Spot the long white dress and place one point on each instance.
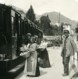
(31, 61)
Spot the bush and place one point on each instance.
(49, 44)
(56, 42)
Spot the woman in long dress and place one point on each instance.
(31, 64)
(44, 61)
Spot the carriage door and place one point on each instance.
(19, 35)
(15, 34)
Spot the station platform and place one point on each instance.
(56, 69)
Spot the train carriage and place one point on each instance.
(13, 26)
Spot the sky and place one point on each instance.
(68, 8)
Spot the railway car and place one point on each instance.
(13, 26)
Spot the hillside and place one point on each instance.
(54, 17)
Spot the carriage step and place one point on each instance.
(16, 70)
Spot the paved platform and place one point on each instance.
(56, 70)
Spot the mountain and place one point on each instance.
(55, 17)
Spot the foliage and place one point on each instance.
(62, 27)
(47, 28)
(30, 14)
(76, 29)
(45, 25)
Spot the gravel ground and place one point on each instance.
(56, 70)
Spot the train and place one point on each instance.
(13, 27)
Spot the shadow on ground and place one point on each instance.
(42, 73)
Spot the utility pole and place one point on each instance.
(59, 21)
(59, 18)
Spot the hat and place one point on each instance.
(66, 31)
(28, 34)
(35, 36)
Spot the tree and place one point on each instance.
(45, 19)
(45, 25)
(76, 29)
(62, 27)
(30, 14)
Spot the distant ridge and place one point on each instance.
(54, 17)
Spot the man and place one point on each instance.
(68, 50)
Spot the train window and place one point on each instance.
(22, 28)
(77, 37)
(19, 26)
(14, 38)
(14, 27)
(12, 13)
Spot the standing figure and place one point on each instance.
(27, 39)
(25, 42)
(44, 61)
(68, 50)
(31, 64)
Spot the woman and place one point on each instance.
(43, 56)
(31, 64)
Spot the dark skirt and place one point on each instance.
(37, 70)
(44, 58)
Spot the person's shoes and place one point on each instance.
(65, 74)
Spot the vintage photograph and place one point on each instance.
(38, 39)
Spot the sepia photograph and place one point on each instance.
(38, 39)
